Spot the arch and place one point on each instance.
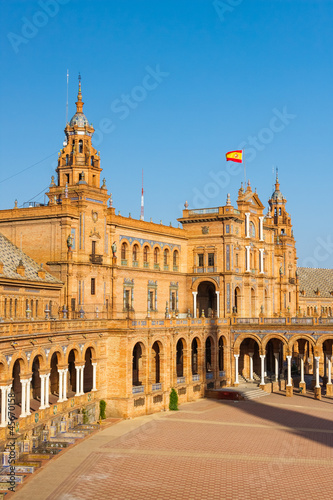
(80, 146)
(21, 358)
(137, 364)
(249, 359)
(237, 301)
(35, 378)
(93, 351)
(206, 298)
(221, 350)
(124, 250)
(175, 258)
(194, 355)
(146, 252)
(180, 357)
(77, 353)
(16, 376)
(166, 254)
(71, 379)
(209, 354)
(54, 374)
(156, 255)
(3, 370)
(135, 252)
(88, 371)
(156, 361)
(42, 360)
(59, 354)
(295, 338)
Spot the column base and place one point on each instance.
(289, 391)
(262, 386)
(329, 389)
(302, 386)
(235, 384)
(317, 392)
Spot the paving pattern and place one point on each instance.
(272, 448)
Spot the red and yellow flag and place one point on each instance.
(235, 156)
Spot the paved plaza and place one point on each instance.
(271, 448)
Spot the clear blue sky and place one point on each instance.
(226, 72)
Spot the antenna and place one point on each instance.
(67, 99)
(142, 216)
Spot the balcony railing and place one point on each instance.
(180, 380)
(146, 264)
(124, 262)
(157, 387)
(252, 321)
(200, 211)
(208, 269)
(175, 268)
(157, 266)
(137, 389)
(195, 377)
(96, 259)
(209, 375)
(135, 263)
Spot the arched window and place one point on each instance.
(156, 257)
(252, 230)
(166, 257)
(80, 146)
(92, 161)
(279, 211)
(175, 260)
(124, 252)
(67, 159)
(145, 256)
(135, 252)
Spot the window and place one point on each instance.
(145, 254)
(127, 296)
(252, 230)
(211, 260)
(173, 301)
(93, 247)
(227, 229)
(80, 146)
(279, 211)
(151, 300)
(200, 259)
(92, 161)
(67, 160)
(156, 255)
(175, 258)
(166, 257)
(135, 253)
(237, 262)
(93, 286)
(124, 251)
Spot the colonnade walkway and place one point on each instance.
(273, 447)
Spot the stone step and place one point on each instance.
(254, 394)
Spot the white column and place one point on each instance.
(247, 258)
(194, 304)
(94, 365)
(28, 412)
(4, 406)
(251, 365)
(47, 390)
(77, 368)
(218, 303)
(317, 358)
(261, 228)
(276, 356)
(24, 391)
(261, 260)
(65, 385)
(289, 371)
(329, 370)
(236, 368)
(81, 388)
(42, 392)
(262, 357)
(60, 385)
(302, 370)
(247, 224)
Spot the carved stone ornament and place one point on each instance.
(94, 216)
(205, 229)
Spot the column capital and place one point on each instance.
(236, 355)
(288, 357)
(262, 356)
(317, 358)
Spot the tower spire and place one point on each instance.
(142, 216)
(79, 103)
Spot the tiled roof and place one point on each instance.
(11, 256)
(312, 279)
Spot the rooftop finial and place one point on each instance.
(79, 103)
(228, 199)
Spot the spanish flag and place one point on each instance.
(235, 156)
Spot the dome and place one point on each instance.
(79, 119)
(277, 195)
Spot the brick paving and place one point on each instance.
(272, 448)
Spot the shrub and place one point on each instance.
(102, 406)
(173, 403)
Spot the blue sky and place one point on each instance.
(171, 86)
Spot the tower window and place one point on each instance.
(279, 211)
(67, 159)
(80, 146)
(92, 161)
(200, 260)
(210, 259)
(93, 286)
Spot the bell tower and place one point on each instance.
(78, 161)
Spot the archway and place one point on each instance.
(17, 386)
(180, 358)
(194, 357)
(156, 363)
(221, 354)
(274, 359)
(207, 299)
(137, 365)
(35, 379)
(209, 355)
(54, 376)
(88, 371)
(71, 374)
(237, 302)
(249, 360)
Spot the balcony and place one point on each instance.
(180, 380)
(137, 389)
(96, 259)
(135, 263)
(157, 266)
(195, 377)
(175, 268)
(146, 264)
(208, 269)
(124, 262)
(157, 387)
(209, 375)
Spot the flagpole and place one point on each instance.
(243, 156)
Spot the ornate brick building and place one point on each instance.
(97, 305)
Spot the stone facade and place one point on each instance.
(138, 308)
